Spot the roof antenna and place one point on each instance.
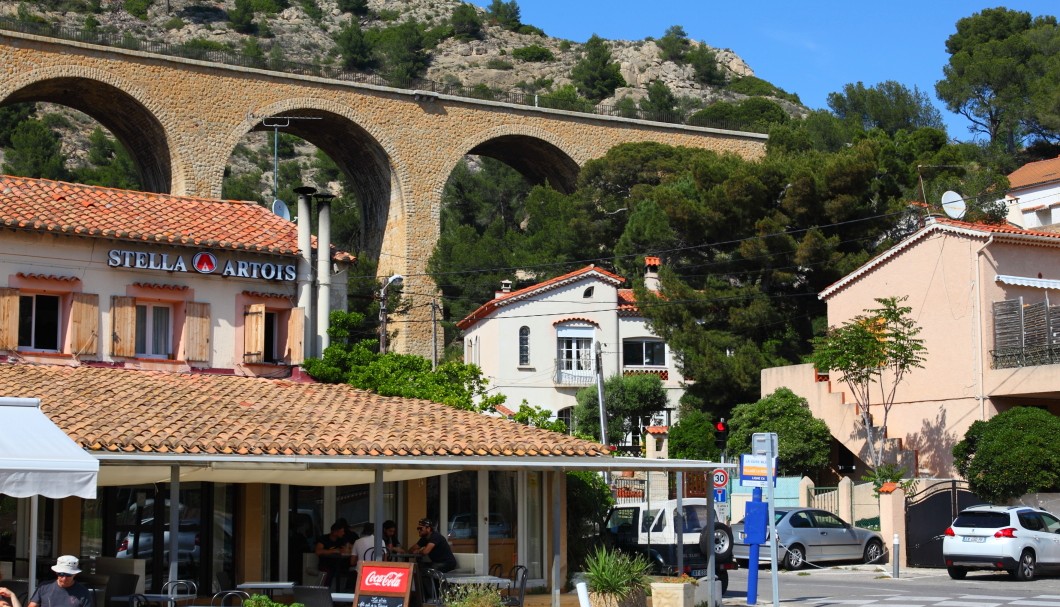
(280, 122)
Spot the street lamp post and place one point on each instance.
(396, 279)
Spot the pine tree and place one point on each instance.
(35, 152)
(596, 75)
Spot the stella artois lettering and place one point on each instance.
(203, 263)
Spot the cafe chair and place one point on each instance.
(229, 598)
(175, 587)
(119, 584)
(495, 570)
(435, 589)
(516, 593)
(224, 581)
(313, 596)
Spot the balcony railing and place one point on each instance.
(575, 371)
(1010, 358)
(662, 372)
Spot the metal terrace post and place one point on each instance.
(323, 270)
(305, 268)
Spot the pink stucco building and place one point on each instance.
(986, 299)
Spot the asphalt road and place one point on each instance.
(873, 586)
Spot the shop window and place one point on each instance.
(154, 331)
(272, 335)
(38, 322)
(643, 353)
(524, 346)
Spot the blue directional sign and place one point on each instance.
(720, 495)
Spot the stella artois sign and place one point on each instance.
(384, 584)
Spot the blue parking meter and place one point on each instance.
(754, 523)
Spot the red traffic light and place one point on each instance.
(721, 426)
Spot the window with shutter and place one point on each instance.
(123, 325)
(84, 325)
(197, 325)
(8, 319)
(254, 333)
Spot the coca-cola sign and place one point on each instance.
(384, 579)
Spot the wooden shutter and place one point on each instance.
(123, 325)
(84, 324)
(197, 321)
(254, 333)
(296, 336)
(8, 319)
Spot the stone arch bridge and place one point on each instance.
(181, 119)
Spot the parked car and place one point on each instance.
(649, 529)
(1016, 539)
(141, 545)
(808, 535)
(465, 526)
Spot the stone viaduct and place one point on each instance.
(181, 119)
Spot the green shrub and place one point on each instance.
(174, 23)
(389, 15)
(499, 64)
(534, 52)
(91, 23)
(617, 573)
(756, 87)
(530, 30)
(564, 45)
(312, 10)
(138, 8)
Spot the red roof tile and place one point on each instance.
(1035, 173)
(505, 298)
(132, 411)
(57, 207)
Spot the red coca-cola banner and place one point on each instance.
(386, 579)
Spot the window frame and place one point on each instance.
(640, 344)
(148, 333)
(34, 346)
(524, 346)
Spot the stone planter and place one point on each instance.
(669, 594)
(636, 599)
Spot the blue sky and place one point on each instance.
(808, 47)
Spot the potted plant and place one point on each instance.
(473, 595)
(674, 592)
(617, 579)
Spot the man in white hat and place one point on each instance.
(64, 591)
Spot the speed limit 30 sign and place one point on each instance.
(720, 478)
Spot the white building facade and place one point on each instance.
(539, 343)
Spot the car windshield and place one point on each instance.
(695, 517)
(981, 518)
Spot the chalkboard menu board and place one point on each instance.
(383, 584)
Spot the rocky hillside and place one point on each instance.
(304, 31)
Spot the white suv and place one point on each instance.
(1016, 539)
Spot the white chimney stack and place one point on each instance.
(651, 273)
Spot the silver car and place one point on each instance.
(809, 536)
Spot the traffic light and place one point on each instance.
(721, 434)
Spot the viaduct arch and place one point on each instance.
(181, 119)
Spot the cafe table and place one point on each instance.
(480, 580)
(342, 597)
(268, 587)
(170, 600)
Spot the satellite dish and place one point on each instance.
(280, 208)
(953, 204)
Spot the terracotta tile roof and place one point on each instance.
(43, 205)
(983, 231)
(583, 319)
(1035, 173)
(132, 411)
(506, 298)
(627, 303)
(53, 277)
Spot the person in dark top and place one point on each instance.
(64, 591)
(390, 539)
(434, 546)
(333, 555)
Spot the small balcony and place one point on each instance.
(575, 371)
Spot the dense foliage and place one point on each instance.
(804, 442)
(597, 76)
(629, 401)
(692, 437)
(1013, 453)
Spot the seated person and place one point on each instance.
(333, 554)
(390, 538)
(434, 546)
(64, 591)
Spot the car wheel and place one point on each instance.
(873, 551)
(722, 543)
(957, 573)
(1025, 568)
(795, 557)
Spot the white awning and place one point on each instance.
(37, 458)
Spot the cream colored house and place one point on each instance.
(1033, 198)
(986, 298)
(538, 343)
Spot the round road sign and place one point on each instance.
(721, 478)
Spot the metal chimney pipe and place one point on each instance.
(305, 265)
(323, 269)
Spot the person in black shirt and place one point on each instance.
(434, 546)
(333, 555)
(390, 539)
